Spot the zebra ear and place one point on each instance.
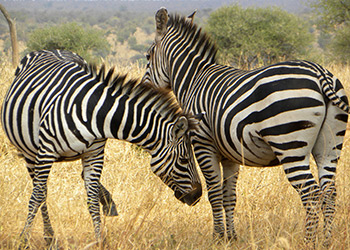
(161, 23)
(191, 16)
(180, 127)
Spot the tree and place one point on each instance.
(255, 36)
(334, 20)
(89, 43)
(332, 13)
(13, 35)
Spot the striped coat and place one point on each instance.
(276, 115)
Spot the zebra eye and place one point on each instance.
(183, 160)
(148, 57)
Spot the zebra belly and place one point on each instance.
(259, 144)
(254, 152)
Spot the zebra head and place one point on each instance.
(157, 67)
(174, 163)
(167, 54)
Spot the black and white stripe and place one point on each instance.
(279, 114)
(60, 108)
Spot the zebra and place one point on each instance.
(275, 115)
(59, 108)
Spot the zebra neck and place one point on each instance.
(184, 72)
(135, 119)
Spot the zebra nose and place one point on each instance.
(192, 197)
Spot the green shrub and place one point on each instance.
(333, 18)
(247, 37)
(89, 43)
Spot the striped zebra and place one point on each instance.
(275, 115)
(59, 108)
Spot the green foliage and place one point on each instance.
(332, 12)
(340, 45)
(125, 32)
(135, 46)
(334, 20)
(89, 43)
(255, 36)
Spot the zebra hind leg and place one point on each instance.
(39, 175)
(299, 175)
(326, 153)
(48, 230)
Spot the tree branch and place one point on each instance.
(13, 35)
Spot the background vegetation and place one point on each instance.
(246, 36)
(255, 36)
(333, 18)
(89, 43)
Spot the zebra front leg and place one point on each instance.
(210, 167)
(38, 197)
(94, 206)
(92, 169)
(230, 171)
(305, 184)
(108, 206)
(216, 201)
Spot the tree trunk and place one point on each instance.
(13, 34)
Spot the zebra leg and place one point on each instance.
(210, 167)
(326, 152)
(299, 175)
(48, 230)
(38, 198)
(92, 164)
(230, 174)
(108, 206)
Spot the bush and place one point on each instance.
(251, 36)
(340, 45)
(89, 43)
(333, 18)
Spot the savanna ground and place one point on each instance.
(269, 214)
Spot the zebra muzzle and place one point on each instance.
(191, 198)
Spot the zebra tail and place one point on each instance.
(329, 89)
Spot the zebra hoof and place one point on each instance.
(23, 245)
(51, 243)
(23, 242)
(231, 237)
(110, 210)
(309, 245)
(219, 238)
(326, 244)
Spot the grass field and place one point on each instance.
(269, 213)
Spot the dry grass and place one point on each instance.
(269, 212)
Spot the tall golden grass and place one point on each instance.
(269, 213)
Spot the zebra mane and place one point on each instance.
(200, 39)
(165, 99)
